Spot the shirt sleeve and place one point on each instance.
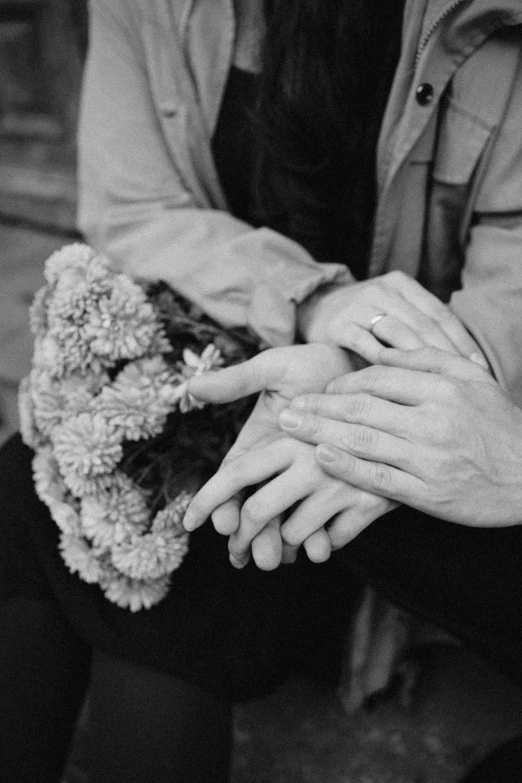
(136, 206)
(490, 300)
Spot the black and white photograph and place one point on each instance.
(260, 391)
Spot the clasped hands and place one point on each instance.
(286, 477)
(388, 435)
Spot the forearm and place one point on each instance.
(490, 302)
(154, 219)
(238, 275)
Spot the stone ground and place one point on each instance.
(460, 707)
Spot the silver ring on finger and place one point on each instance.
(375, 320)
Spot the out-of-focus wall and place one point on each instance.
(42, 46)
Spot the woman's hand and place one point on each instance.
(292, 479)
(431, 430)
(263, 452)
(393, 309)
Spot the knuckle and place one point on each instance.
(360, 440)
(357, 406)
(253, 512)
(375, 375)
(312, 425)
(233, 469)
(443, 314)
(291, 535)
(381, 476)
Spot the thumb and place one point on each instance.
(263, 371)
(435, 360)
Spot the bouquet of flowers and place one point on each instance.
(120, 445)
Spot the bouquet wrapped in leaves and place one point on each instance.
(120, 446)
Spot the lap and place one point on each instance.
(240, 633)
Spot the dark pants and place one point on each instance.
(143, 725)
(152, 726)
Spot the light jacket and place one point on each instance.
(449, 168)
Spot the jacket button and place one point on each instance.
(424, 94)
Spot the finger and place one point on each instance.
(267, 503)
(360, 440)
(375, 477)
(401, 319)
(354, 408)
(225, 517)
(267, 546)
(318, 546)
(358, 339)
(448, 322)
(314, 512)
(240, 380)
(349, 523)
(434, 361)
(289, 554)
(395, 384)
(421, 332)
(403, 323)
(247, 470)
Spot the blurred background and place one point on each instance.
(42, 49)
(444, 708)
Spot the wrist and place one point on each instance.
(315, 313)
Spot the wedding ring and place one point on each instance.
(376, 319)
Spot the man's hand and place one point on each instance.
(430, 429)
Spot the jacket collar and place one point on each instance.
(469, 21)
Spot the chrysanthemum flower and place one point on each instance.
(140, 398)
(38, 312)
(150, 555)
(159, 552)
(80, 558)
(100, 379)
(135, 594)
(75, 255)
(52, 491)
(53, 401)
(87, 445)
(116, 514)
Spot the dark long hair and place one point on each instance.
(327, 66)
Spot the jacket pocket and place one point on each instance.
(461, 141)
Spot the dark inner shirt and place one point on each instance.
(345, 236)
(233, 143)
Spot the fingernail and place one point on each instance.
(479, 359)
(326, 453)
(290, 420)
(298, 403)
(236, 563)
